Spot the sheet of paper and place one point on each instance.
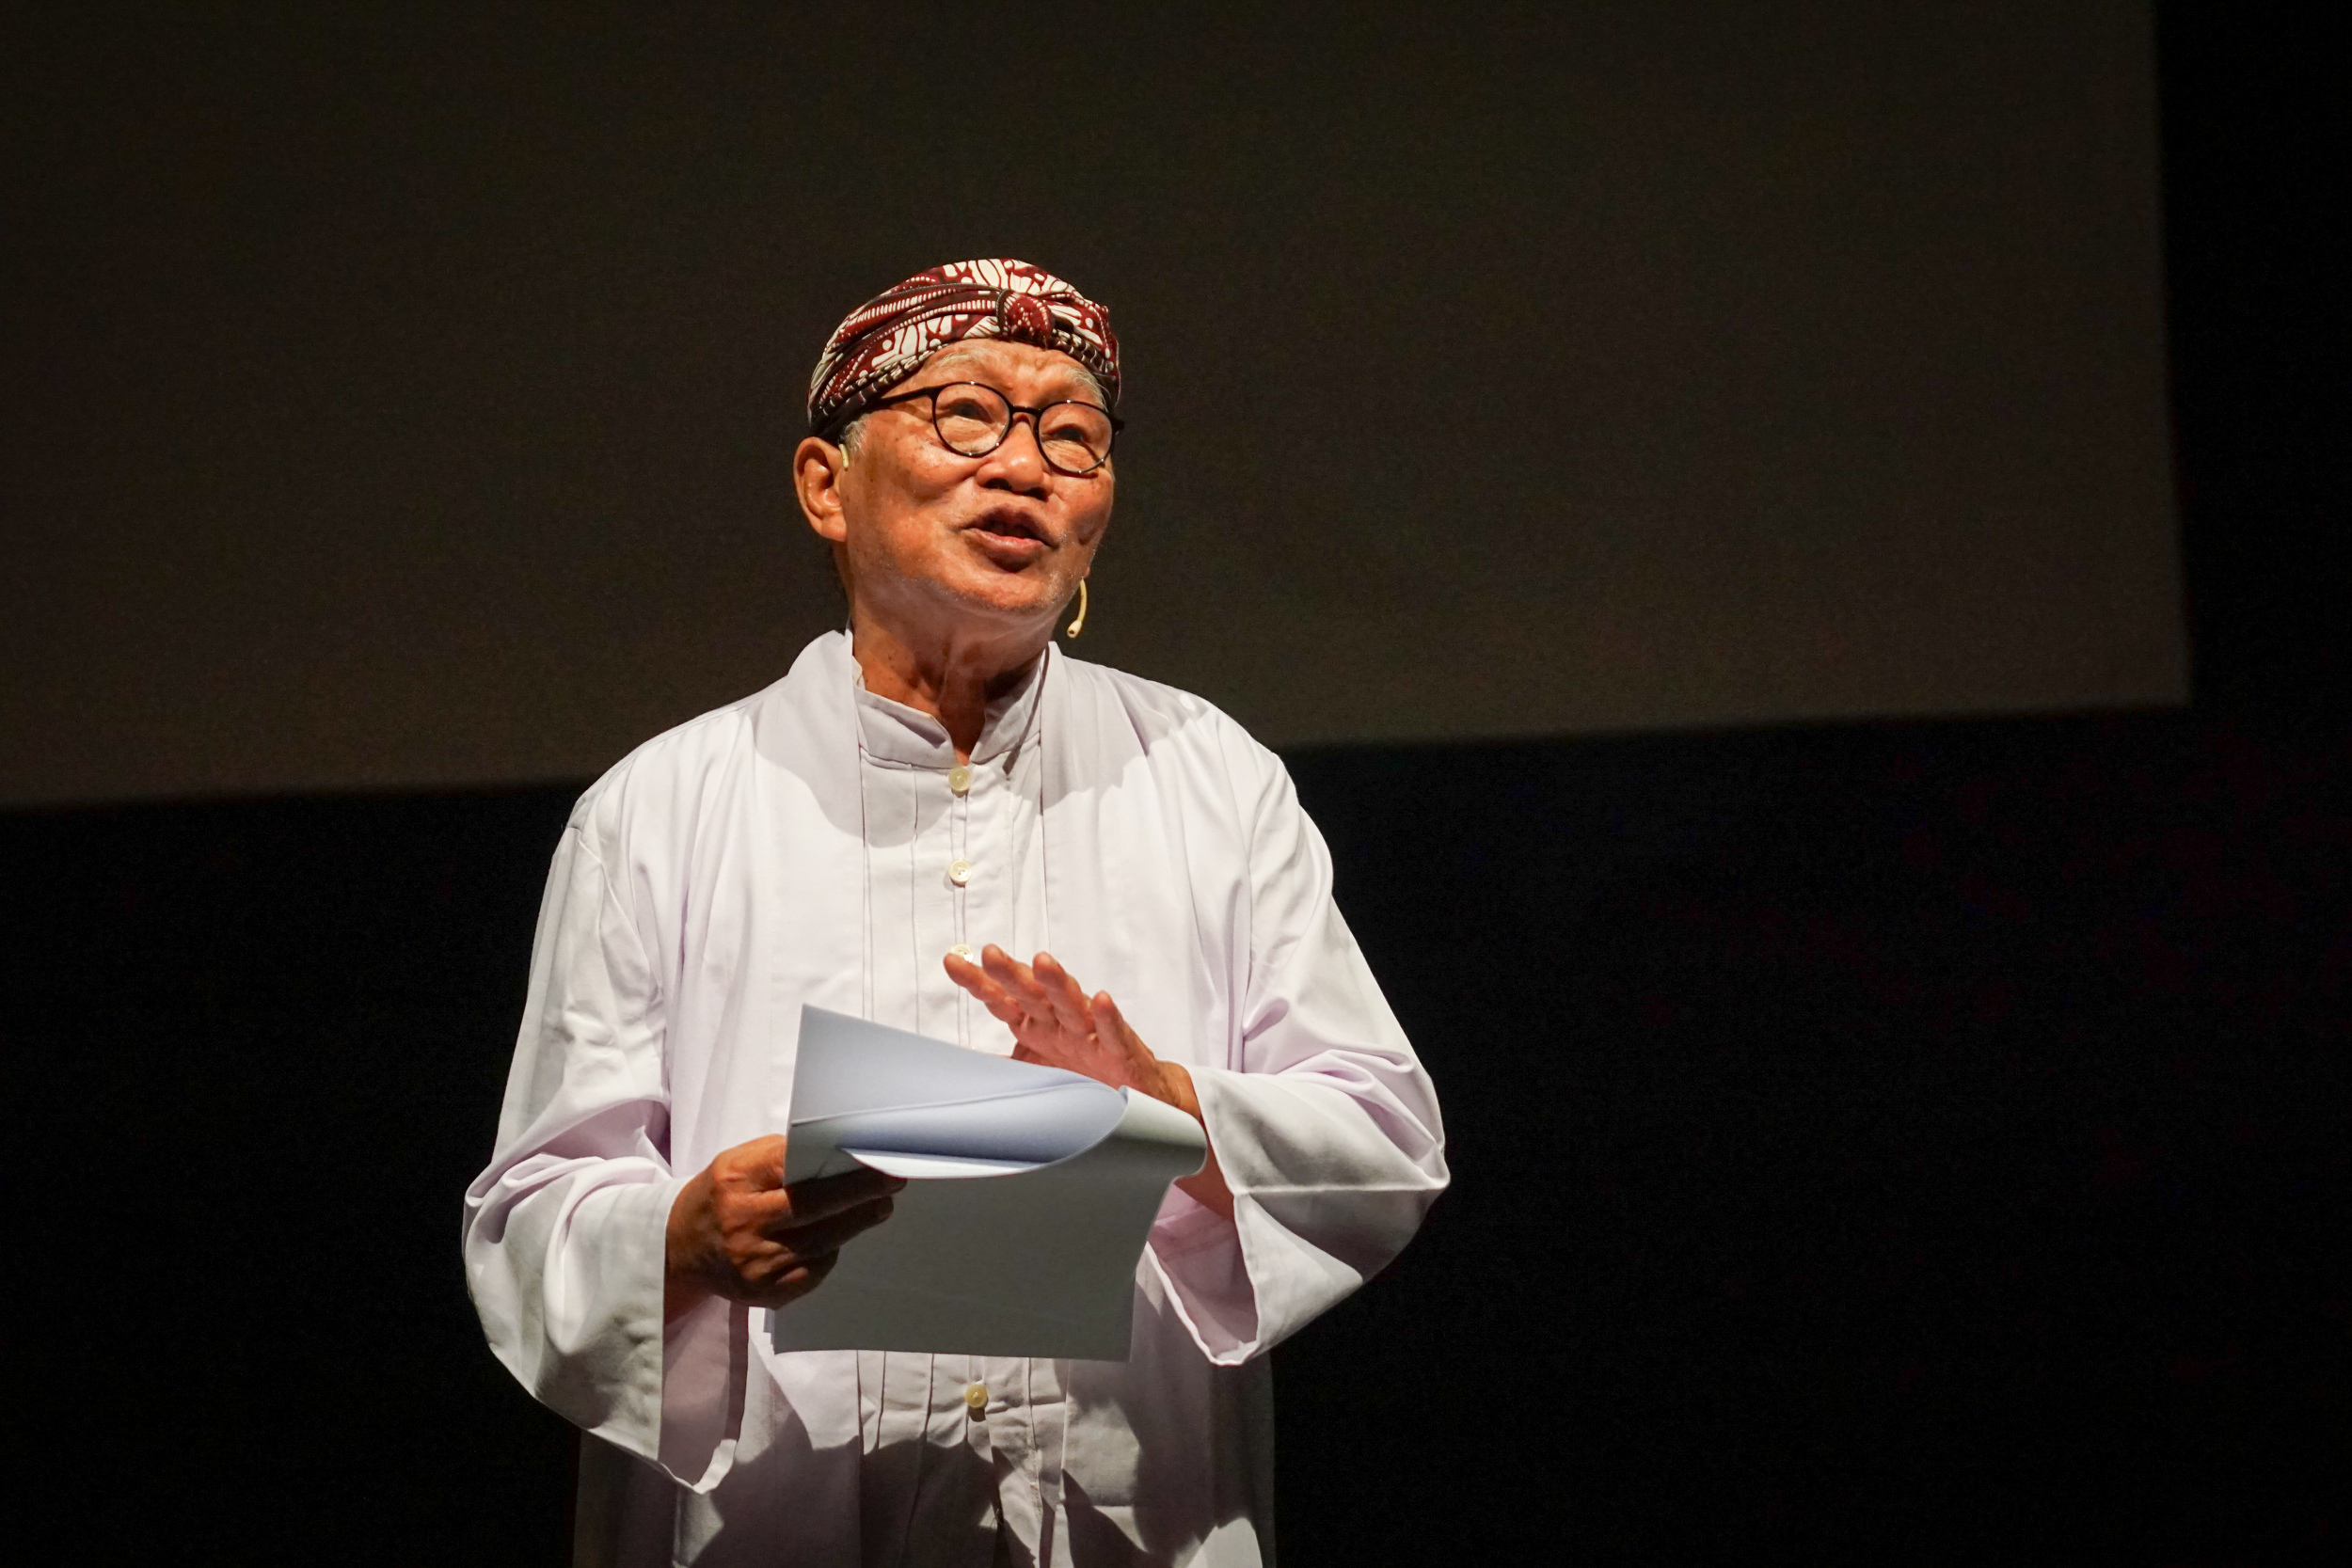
(1030, 1192)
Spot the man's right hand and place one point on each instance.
(737, 1231)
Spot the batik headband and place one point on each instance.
(889, 337)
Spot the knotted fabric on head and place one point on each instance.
(886, 340)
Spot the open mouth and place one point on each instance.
(1007, 526)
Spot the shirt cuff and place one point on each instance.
(1198, 1254)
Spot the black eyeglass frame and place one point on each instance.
(1013, 413)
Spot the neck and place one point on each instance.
(951, 678)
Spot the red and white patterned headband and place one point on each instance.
(889, 337)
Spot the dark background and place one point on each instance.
(403, 394)
(1910, 1141)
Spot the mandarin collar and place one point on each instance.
(909, 737)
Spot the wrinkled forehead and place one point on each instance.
(1051, 374)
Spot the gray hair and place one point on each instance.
(851, 434)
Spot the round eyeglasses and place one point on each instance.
(973, 420)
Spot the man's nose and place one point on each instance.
(1024, 460)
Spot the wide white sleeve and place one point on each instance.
(564, 1232)
(1327, 1131)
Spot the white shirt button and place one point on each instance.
(959, 872)
(975, 1399)
(962, 950)
(959, 778)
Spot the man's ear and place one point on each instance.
(819, 468)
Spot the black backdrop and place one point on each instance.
(401, 394)
(1915, 1141)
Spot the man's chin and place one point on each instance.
(1004, 598)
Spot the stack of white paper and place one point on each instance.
(1030, 1192)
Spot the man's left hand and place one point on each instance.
(1054, 1023)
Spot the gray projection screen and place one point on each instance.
(405, 401)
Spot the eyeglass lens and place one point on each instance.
(973, 420)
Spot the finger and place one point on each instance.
(777, 1211)
(820, 1196)
(1017, 978)
(1023, 1004)
(1062, 993)
(1117, 1035)
(1113, 1026)
(816, 1238)
(964, 973)
(992, 996)
(795, 1283)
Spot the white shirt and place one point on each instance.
(816, 844)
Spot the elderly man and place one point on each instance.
(877, 834)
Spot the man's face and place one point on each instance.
(954, 545)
